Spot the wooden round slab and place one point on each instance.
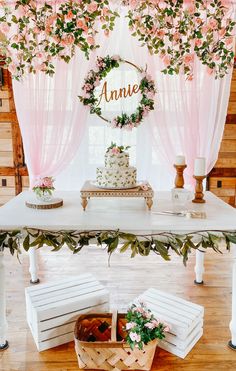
(36, 204)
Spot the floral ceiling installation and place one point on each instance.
(37, 32)
(146, 88)
(180, 30)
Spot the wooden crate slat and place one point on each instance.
(179, 352)
(52, 323)
(6, 159)
(57, 284)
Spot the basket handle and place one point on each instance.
(113, 325)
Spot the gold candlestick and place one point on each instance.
(199, 190)
(179, 179)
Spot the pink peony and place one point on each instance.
(92, 7)
(135, 337)
(4, 28)
(47, 182)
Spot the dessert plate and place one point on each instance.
(94, 183)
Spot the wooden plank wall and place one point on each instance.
(222, 179)
(13, 172)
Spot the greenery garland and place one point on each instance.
(95, 76)
(161, 243)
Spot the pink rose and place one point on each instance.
(176, 36)
(12, 68)
(90, 40)
(69, 15)
(161, 33)
(68, 40)
(4, 28)
(115, 151)
(222, 32)
(135, 337)
(205, 29)
(106, 32)
(210, 71)
(166, 60)
(36, 30)
(189, 58)
(81, 24)
(133, 3)
(198, 42)
(213, 24)
(105, 11)
(130, 325)
(150, 94)
(229, 41)
(149, 325)
(92, 7)
(21, 11)
(116, 57)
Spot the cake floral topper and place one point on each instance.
(95, 77)
(116, 149)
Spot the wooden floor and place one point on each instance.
(125, 279)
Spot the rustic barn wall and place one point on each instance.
(13, 172)
(222, 179)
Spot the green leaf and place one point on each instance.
(26, 243)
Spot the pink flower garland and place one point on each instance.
(181, 31)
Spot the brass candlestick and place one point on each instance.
(199, 190)
(179, 179)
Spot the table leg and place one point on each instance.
(149, 202)
(199, 267)
(232, 326)
(3, 318)
(84, 202)
(33, 268)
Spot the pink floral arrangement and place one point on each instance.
(142, 327)
(39, 32)
(43, 186)
(181, 31)
(116, 150)
(123, 121)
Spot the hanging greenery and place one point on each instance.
(179, 31)
(38, 32)
(162, 243)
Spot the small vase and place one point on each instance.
(44, 196)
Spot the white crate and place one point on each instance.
(184, 317)
(53, 308)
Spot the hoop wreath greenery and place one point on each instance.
(93, 80)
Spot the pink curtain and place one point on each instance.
(51, 117)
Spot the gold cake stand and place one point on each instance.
(90, 190)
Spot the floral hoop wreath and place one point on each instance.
(93, 79)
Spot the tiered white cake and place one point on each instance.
(117, 173)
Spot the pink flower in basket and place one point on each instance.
(130, 325)
(135, 337)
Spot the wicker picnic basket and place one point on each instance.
(99, 344)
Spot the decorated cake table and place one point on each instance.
(90, 190)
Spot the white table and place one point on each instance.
(128, 215)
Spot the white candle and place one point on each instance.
(200, 166)
(180, 160)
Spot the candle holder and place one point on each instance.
(179, 179)
(199, 190)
